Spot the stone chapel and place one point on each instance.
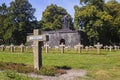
(65, 35)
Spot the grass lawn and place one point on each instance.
(99, 67)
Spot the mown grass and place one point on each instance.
(105, 66)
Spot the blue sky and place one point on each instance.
(40, 5)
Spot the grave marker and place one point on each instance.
(37, 47)
(115, 47)
(46, 47)
(110, 48)
(22, 48)
(106, 47)
(79, 48)
(62, 46)
(12, 48)
(86, 48)
(98, 46)
(2, 48)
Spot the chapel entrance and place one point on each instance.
(62, 41)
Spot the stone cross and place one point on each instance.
(12, 48)
(106, 47)
(98, 46)
(87, 48)
(79, 46)
(37, 47)
(62, 46)
(110, 48)
(22, 48)
(115, 47)
(2, 48)
(46, 47)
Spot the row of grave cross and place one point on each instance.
(12, 48)
(79, 47)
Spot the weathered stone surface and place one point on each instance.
(37, 49)
(67, 37)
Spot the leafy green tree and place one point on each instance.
(51, 18)
(3, 16)
(97, 20)
(19, 21)
(113, 8)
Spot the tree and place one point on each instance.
(113, 8)
(3, 16)
(97, 20)
(19, 21)
(51, 18)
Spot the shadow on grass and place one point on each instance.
(63, 67)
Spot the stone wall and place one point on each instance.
(68, 37)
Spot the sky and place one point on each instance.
(40, 5)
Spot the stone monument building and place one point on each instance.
(65, 35)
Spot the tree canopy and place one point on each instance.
(51, 18)
(101, 20)
(16, 21)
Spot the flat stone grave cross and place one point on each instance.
(106, 47)
(86, 48)
(37, 47)
(98, 46)
(110, 48)
(62, 46)
(115, 47)
(12, 48)
(22, 48)
(2, 47)
(79, 47)
(46, 47)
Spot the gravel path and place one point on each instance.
(70, 75)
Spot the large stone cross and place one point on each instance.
(98, 46)
(37, 47)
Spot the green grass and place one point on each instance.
(12, 75)
(99, 67)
